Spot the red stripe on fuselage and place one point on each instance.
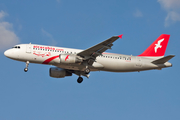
(50, 59)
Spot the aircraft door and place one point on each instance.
(28, 48)
(138, 62)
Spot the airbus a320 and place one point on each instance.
(68, 61)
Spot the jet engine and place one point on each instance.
(58, 72)
(65, 58)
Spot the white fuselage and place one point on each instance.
(106, 62)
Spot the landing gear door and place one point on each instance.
(28, 48)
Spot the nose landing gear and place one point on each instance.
(26, 68)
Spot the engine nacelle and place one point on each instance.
(65, 58)
(58, 72)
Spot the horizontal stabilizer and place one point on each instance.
(163, 60)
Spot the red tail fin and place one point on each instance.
(158, 47)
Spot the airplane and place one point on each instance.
(68, 61)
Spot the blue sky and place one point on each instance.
(81, 24)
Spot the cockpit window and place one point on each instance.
(16, 47)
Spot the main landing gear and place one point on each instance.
(84, 73)
(79, 80)
(87, 71)
(26, 68)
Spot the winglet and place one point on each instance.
(120, 36)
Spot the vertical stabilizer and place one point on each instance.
(157, 48)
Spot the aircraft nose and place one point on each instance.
(7, 53)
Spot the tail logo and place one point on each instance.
(158, 45)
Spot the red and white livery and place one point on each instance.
(68, 61)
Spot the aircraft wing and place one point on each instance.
(96, 50)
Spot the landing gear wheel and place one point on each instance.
(87, 71)
(25, 69)
(79, 80)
